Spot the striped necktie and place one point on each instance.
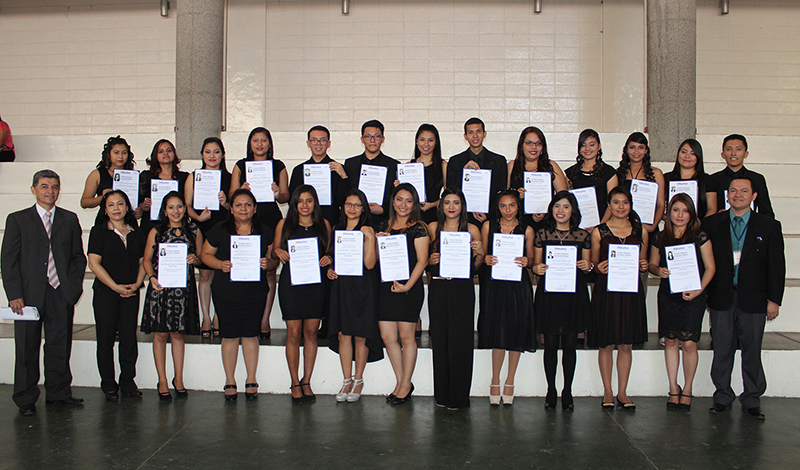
(52, 275)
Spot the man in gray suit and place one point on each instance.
(43, 266)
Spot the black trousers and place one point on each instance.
(114, 314)
(56, 319)
(451, 304)
(732, 327)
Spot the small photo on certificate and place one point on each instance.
(393, 258)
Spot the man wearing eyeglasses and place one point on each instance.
(372, 138)
(478, 157)
(319, 141)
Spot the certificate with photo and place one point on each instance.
(372, 182)
(348, 252)
(172, 264)
(477, 187)
(245, 258)
(684, 271)
(587, 204)
(304, 261)
(455, 255)
(623, 268)
(127, 181)
(538, 191)
(507, 247)
(393, 257)
(159, 189)
(683, 186)
(207, 185)
(413, 173)
(258, 175)
(318, 175)
(645, 195)
(562, 266)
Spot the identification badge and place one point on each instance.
(737, 256)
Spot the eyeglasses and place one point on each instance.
(530, 143)
(372, 137)
(318, 141)
(353, 205)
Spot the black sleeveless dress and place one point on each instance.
(307, 301)
(506, 319)
(403, 307)
(268, 212)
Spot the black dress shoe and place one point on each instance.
(27, 410)
(718, 408)
(69, 401)
(134, 393)
(754, 412)
(112, 395)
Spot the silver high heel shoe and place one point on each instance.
(352, 396)
(341, 397)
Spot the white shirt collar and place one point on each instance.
(42, 212)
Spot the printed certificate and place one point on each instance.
(477, 187)
(304, 261)
(455, 255)
(159, 189)
(506, 247)
(318, 175)
(684, 272)
(623, 268)
(562, 268)
(587, 204)
(393, 256)
(372, 182)
(127, 181)
(172, 264)
(413, 173)
(645, 195)
(348, 252)
(258, 175)
(246, 258)
(538, 191)
(683, 186)
(207, 185)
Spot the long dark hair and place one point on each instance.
(667, 237)
(155, 166)
(633, 217)
(230, 222)
(699, 168)
(575, 218)
(363, 219)
(462, 217)
(163, 219)
(597, 170)
(436, 156)
(102, 215)
(543, 162)
(506, 192)
(625, 163)
(214, 140)
(415, 215)
(270, 150)
(105, 159)
(293, 216)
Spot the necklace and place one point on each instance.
(561, 240)
(635, 177)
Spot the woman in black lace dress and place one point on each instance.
(619, 319)
(680, 314)
(171, 312)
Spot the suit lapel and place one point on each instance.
(753, 228)
(725, 232)
(36, 222)
(58, 222)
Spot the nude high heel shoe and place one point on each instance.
(494, 399)
(508, 399)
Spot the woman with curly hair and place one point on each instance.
(591, 171)
(635, 165)
(116, 155)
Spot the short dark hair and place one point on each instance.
(742, 177)
(372, 123)
(474, 120)
(734, 137)
(323, 129)
(45, 174)
(575, 218)
(102, 215)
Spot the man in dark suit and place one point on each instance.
(478, 157)
(746, 291)
(43, 266)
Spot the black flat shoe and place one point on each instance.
(134, 393)
(628, 405)
(298, 400)
(550, 400)
(755, 412)
(166, 396)
(248, 395)
(112, 395)
(182, 393)
(608, 405)
(27, 410)
(718, 408)
(69, 401)
(230, 397)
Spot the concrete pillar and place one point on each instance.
(198, 77)
(671, 75)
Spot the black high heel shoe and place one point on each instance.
(182, 393)
(298, 400)
(308, 396)
(400, 401)
(550, 400)
(248, 395)
(166, 396)
(674, 406)
(566, 401)
(230, 397)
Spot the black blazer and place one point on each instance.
(762, 268)
(492, 161)
(26, 249)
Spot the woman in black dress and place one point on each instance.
(259, 148)
(400, 302)
(680, 314)
(619, 319)
(635, 165)
(506, 317)
(428, 151)
(560, 316)
(592, 172)
(164, 164)
(689, 166)
(451, 305)
(171, 312)
(116, 155)
(302, 305)
(354, 303)
(116, 247)
(239, 304)
(532, 156)
(213, 153)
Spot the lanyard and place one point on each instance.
(744, 230)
